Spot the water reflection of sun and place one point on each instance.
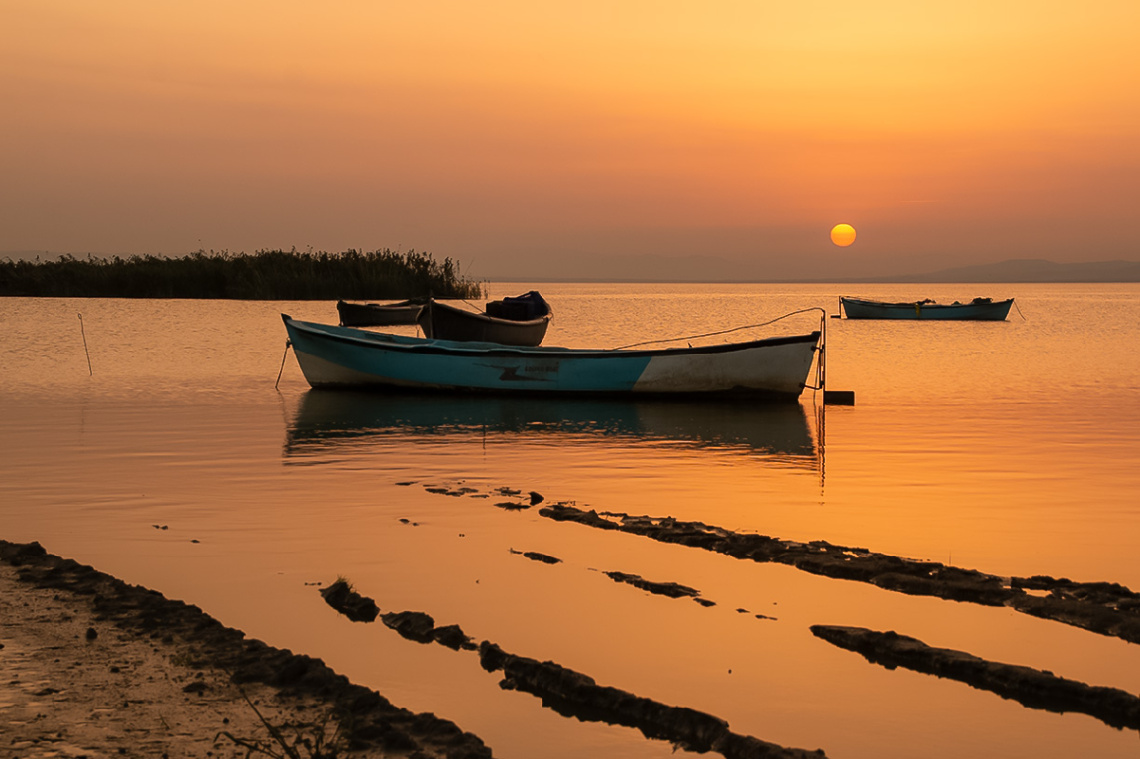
(843, 235)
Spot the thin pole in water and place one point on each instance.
(85, 351)
(822, 368)
(284, 356)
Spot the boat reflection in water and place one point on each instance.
(330, 418)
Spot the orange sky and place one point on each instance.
(522, 134)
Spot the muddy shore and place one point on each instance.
(96, 667)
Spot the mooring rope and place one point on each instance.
(472, 306)
(723, 331)
(282, 369)
(1019, 311)
(820, 365)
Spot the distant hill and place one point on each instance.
(1027, 270)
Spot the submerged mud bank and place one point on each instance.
(1101, 607)
(373, 725)
(1033, 688)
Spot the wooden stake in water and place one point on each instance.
(84, 333)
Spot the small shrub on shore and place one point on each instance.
(323, 738)
(266, 275)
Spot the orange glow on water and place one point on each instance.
(987, 448)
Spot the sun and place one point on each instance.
(843, 235)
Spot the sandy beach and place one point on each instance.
(94, 667)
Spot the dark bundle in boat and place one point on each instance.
(379, 314)
(520, 320)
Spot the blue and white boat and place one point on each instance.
(331, 356)
(979, 309)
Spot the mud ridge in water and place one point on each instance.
(348, 602)
(1033, 688)
(373, 720)
(420, 627)
(413, 625)
(667, 589)
(1101, 607)
(536, 556)
(1105, 608)
(573, 694)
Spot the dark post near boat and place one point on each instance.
(830, 397)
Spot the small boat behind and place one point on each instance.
(979, 309)
(773, 369)
(520, 320)
(379, 314)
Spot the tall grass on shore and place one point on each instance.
(265, 275)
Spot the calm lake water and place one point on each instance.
(1007, 447)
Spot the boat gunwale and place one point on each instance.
(378, 314)
(402, 304)
(925, 306)
(404, 343)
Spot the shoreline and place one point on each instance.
(98, 667)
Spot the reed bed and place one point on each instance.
(265, 275)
